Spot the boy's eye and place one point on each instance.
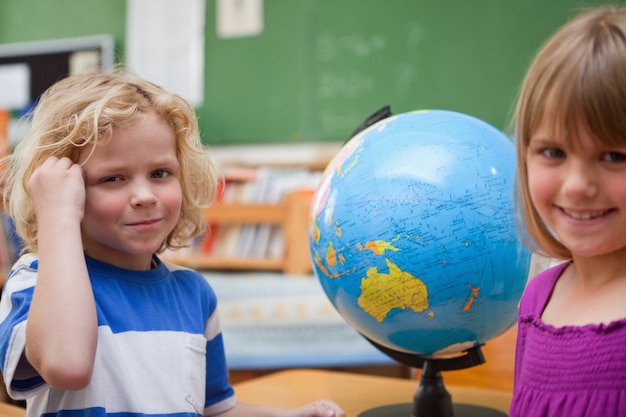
(160, 173)
(111, 179)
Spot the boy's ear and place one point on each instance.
(378, 115)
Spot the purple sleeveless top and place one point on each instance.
(567, 371)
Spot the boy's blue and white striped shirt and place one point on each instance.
(160, 350)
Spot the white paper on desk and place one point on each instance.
(165, 44)
(14, 86)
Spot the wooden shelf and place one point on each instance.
(209, 262)
(292, 215)
(246, 213)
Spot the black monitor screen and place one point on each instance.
(29, 68)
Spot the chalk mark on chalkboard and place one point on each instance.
(350, 84)
(405, 74)
(333, 122)
(342, 76)
(329, 47)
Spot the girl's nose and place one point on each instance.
(580, 181)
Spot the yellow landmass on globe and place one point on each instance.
(474, 294)
(315, 231)
(331, 255)
(380, 293)
(378, 247)
(331, 259)
(340, 168)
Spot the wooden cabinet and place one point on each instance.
(291, 215)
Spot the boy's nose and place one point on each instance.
(143, 195)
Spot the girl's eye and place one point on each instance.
(615, 157)
(553, 153)
(111, 179)
(160, 173)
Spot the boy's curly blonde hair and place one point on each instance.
(87, 109)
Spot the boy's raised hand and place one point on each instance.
(62, 330)
(57, 188)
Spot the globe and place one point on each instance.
(413, 235)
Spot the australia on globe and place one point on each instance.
(413, 235)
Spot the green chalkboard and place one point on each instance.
(35, 20)
(320, 67)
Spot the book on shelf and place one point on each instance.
(258, 186)
(269, 239)
(207, 241)
(227, 235)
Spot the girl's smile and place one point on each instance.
(577, 187)
(585, 215)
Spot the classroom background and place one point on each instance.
(286, 82)
(312, 70)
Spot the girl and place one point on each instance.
(92, 322)
(571, 148)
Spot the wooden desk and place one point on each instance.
(9, 410)
(354, 393)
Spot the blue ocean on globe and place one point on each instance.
(413, 235)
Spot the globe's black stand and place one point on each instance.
(431, 398)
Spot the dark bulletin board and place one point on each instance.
(46, 69)
(321, 66)
(44, 34)
(49, 61)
